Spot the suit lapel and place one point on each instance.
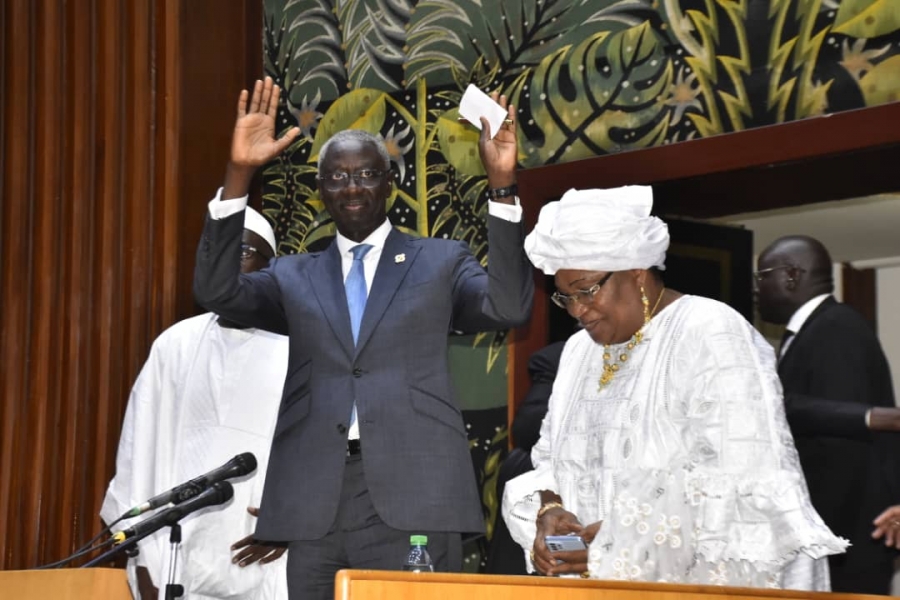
(396, 259)
(328, 285)
(822, 307)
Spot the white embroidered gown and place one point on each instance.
(205, 394)
(685, 456)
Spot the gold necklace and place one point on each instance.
(610, 369)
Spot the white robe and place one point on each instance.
(205, 394)
(686, 457)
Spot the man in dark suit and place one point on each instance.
(505, 555)
(837, 389)
(370, 444)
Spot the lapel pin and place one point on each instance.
(400, 258)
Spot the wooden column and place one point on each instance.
(859, 290)
(115, 122)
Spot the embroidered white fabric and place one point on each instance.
(205, 394)
(686, 457)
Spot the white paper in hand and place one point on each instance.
(475, 104)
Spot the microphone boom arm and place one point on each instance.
(219, 493)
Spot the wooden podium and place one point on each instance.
(394, 585)
(65, 584)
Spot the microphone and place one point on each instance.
(219, 493)
(237, 466)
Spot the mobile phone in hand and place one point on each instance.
(564, 543)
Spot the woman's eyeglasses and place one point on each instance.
(567, 301)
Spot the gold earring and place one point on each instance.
(646, 304)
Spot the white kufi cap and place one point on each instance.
(259, 225)
(599, 230)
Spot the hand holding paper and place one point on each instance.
(475, 104)
(499, 150)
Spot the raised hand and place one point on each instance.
(253, 142)
(500, 154)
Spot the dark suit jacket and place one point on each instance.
(836, 358)
(542, 367)
(504, 554)
(415, 450)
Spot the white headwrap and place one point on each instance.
(259, 225)
(599, 230)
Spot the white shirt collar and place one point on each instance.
(802, 314)
(377, 239)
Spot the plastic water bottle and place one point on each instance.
(418, 560)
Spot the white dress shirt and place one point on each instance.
(799, 318)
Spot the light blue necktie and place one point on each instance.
(355, 286)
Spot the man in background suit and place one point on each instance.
(504, 554)
(837, 389)
(370, 444)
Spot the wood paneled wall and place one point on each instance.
(115, 120)
(859, 289)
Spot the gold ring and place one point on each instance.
(507, 121)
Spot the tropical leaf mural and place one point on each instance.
(588, 77)
(602, 95)
(821, 51)
(867, 18)
(710, 58)
(374, 35)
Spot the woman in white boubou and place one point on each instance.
(665, 447)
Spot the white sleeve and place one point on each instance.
(219, 209)
(507, 212)
(746, 481)
(136, 478)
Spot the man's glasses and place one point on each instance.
(367, 178)
(247, 252)
(758, 276)
(567, 301)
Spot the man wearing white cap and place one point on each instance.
(209, 390)
(665, 447)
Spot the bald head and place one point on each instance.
(792, 270)
(807, 253)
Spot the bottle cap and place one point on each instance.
(418, 540)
